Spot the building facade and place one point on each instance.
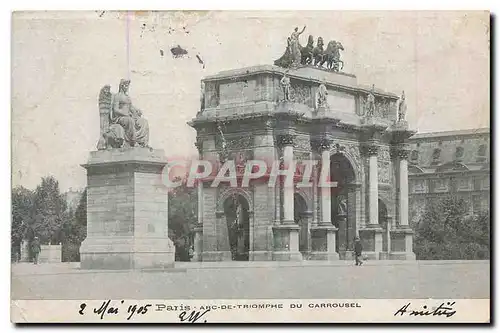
(444, 163)
(267, 113)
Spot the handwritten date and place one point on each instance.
(108, 308)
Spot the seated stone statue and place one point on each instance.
(122, 124)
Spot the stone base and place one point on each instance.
(197, 256)
(346, 255)
(261, 255)
(403, 256)
(287, 256)
(384, 256)
(323, 242)
(216, 256)
(121, 253)
(328, 256)
(370, 255)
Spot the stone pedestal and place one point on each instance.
(323, 243)
(402, 244)
(50, 254)
(127, 211)
(216, 256)
(371, 239)
(198, 243)
(286, 242)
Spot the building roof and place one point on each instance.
(465, 132)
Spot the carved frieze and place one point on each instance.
(225, 192)
(354, 152)
(384, 171)
(384, 153)
(302, 143)
(382, 107)
(240, 142)
(300, 93)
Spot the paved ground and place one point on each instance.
(375, 279)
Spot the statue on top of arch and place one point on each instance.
(296, 56)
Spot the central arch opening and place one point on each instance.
(300, 209)
(342, 172)
(383, 221)
(238, 225)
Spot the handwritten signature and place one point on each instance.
(442, 310)
(193, 316)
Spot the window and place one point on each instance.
(463, 183)
(436, 154)
(481, 153)
(440, 185)
(482, 150)
(414, 156)
(459, 153)
(419, 186)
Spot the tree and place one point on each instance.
(447, 231)
(22, 215)
(182, 217)
(75, 230)
(49, 212)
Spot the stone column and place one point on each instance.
(403, 234)
(288, 191)
(325, 192)
(286, 234)
(323, 235)
(372, 151)
(372, 233)
(198, 228)
(403, 187)
(264, 205)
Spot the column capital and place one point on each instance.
(285, 139)
(369, 149)
(320, 144)
(199, 145)
(401, 152)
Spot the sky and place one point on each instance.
(60, 61)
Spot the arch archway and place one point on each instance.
(383, 218)
(300, 217)
(343, 196)
(236, 211)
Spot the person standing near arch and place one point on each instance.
(358, 250)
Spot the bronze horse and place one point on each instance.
(333, 56)
(306, 53)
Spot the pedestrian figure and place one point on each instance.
(358, 249)
(35, 249)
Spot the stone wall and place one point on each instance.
(48, 253)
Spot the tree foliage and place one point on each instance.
(49, 212)
(44, 213)
(447, 231)
(75, 230)
(22, 214)
(182, 216)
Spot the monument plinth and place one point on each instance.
(127, 211)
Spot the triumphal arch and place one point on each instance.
(302, 108)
